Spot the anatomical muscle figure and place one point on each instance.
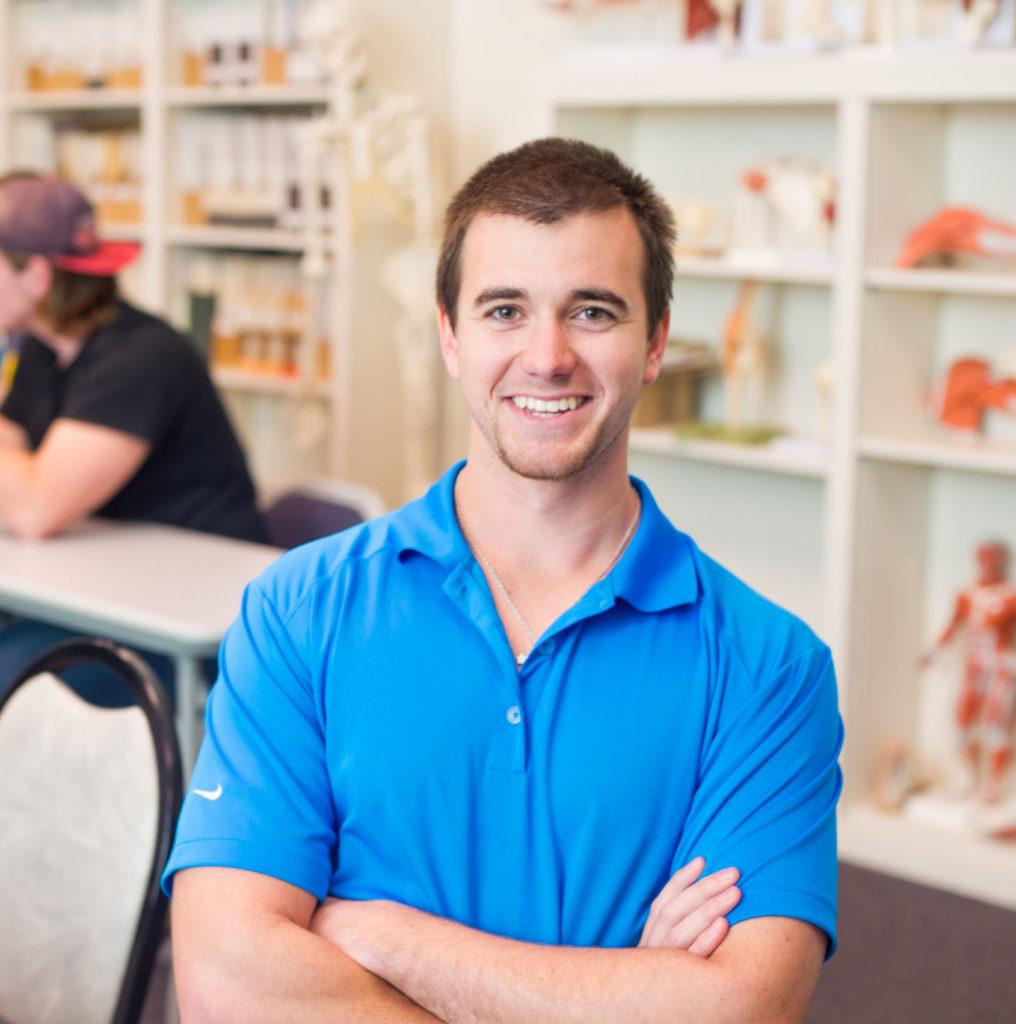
(985, 709)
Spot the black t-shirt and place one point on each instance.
(138, 375)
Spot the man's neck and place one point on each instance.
(64, 345)
(550, 530)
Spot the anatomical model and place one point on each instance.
(784, 210)
(744, 356)
(969, 389)
(703, 15)
(954, 231)
(984, 711)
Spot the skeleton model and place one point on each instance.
(376, 137)
(987, 699)
(744, 357)
(784, 210)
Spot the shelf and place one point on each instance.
(975, 456)
(85, 99)
(955, 282)
(251, 96)
(788, 456)
(272, 239)
(267, 384)
(719, 268)
(122, 232)
(702, 76)
(980, 868)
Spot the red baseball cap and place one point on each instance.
(47, 216)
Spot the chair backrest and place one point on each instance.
(89, 798)
(318, 508)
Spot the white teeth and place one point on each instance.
(541, 406)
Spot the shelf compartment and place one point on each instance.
(980, 868)
(268, 239)
(787, 456)
(974, 457)
(90, 99)
(251, 96)
(922, 157)
(955, 282)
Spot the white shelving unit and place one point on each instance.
(868, 534)
(253, 399)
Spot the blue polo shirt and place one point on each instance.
(369, 737)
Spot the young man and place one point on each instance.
(111, 412)
(502, 732)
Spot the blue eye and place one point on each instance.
(504, 313)
(595, 314)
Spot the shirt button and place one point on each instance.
(547, 647)
(514, 715)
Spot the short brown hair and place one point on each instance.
(547, 180)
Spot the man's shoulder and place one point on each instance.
(134, 335)
(333, 563)
(761, 634)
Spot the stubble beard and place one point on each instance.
(603, 440)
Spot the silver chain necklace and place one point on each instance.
(520, 658)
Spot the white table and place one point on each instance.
(161, 588)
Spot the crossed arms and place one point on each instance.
(251, 948)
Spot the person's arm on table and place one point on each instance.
(765, 970)
(242, 951)
(79, 466)
(12, 435)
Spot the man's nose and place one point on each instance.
(548, 352)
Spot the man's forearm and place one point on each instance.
(16, 475)
(465, 976)
(285, 973)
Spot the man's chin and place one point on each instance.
(549, 465)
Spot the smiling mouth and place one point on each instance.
(547, 407)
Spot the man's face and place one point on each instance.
(18, 295)
(551, 343)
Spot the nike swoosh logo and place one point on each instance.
(209, 794)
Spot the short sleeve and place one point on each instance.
(133, 383)
(259, 797)
(766, 799)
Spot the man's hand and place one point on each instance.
(689, 914)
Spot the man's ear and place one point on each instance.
(449, 343)
(37, 276)
(657, 348)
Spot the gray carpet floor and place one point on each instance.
(913, 955)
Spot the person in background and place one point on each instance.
(111, 412)
(518, 751)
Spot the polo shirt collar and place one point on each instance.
(429, 525)
(656, 572)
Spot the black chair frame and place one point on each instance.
(150, 696)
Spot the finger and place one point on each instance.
(667, 914)
(696, 895)
(679, 881)
(686, 931)
(709, 941)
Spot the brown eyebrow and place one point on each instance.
(580, 295)
(494, 294)
(600, 295)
